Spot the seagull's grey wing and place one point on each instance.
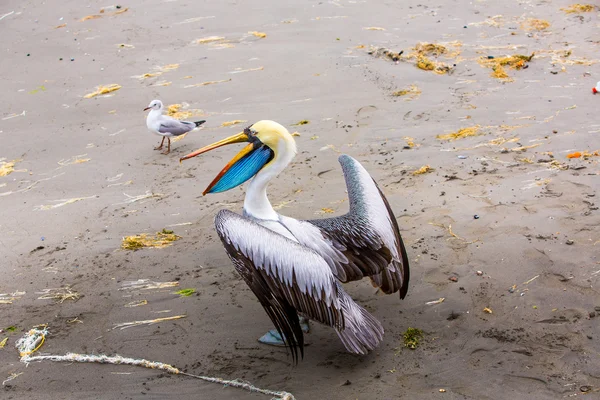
(286, 277)
(175, 127)
(367, 236)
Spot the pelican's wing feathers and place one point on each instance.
(285, 276)
(367, 236)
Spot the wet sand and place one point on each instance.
(82, 161)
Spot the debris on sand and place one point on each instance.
(146, 284)
(533, 24)
(162, 239)
(59, 294)
(497, 64)
(460, 134)
(3, 342)
(434, 302)
(452, 234)
(206, 83)
(35, 338)
(7, 167)
(412, 337)
(487, 310)
(373, 28)
(411, 93)
(175, 111)
(578, 8)
(430, 49)
(186, 292)
(8, 298)
(585, 154)
(234, 122)
(302, 122)
(89, 17)
(147, 195)
(74, 160)
(260, 35)
(100, 90)
(495, 21)
(61, 202)
(420, 55)
(210, 39)
(125, 325)
(136, 303)
(168, 67)
(425, 169)
(147, 75)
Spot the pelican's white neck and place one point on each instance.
(256, 203)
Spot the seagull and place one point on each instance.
(295, 268)
(166, 126)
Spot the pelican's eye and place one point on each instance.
(249, 132)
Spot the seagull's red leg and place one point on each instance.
(161, 144)
(168, 147)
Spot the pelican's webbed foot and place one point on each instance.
(273, 338)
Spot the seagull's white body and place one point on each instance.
(166, 126)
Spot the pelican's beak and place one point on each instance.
(242, 167)
(147, 108)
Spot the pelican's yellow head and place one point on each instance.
(268, 140)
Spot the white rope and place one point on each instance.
(34, 339)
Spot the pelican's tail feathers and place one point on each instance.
(362, 332)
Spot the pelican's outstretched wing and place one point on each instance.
(365, 241)
(286, 277)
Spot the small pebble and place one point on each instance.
(597, 308)
(585, 388)
(569, 242)
(476, 216)
(347, 383)
(60, 59)
(462, 157)
(592, 314)
(43, 238)
(28, 54)
(479, 273)
(72, 59)
(453, 279)
(444, 390)
(490, 57)
(465, 27)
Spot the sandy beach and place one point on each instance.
(477, 119)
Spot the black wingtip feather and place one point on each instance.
(198, 123)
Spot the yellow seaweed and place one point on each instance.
(103, 90)
(412, 92)
(301, 122)
(210, 39)
(162, 239)
(234, 122)
(260, 35)
(425, 169)
(533, 24)
(6, 168)
(460, 134)
(578, 8)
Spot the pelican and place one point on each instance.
(295, 268)
(166, 126)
